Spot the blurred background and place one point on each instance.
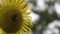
(45, 16)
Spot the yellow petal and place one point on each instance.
(7, 2)
(24, 29)
(16, 1)
(3, 1)
(12, 2)
(27, 13)
(22, 5)
(27, 27)
(1, 5)
(24, 10)
(26, 16)
(1, 31)
(21, 32)
(29, 22)
(20, 2)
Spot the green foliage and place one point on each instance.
(45, 17)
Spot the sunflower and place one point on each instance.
(14, 19)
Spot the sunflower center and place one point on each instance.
(12, 20)
(14, 17)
